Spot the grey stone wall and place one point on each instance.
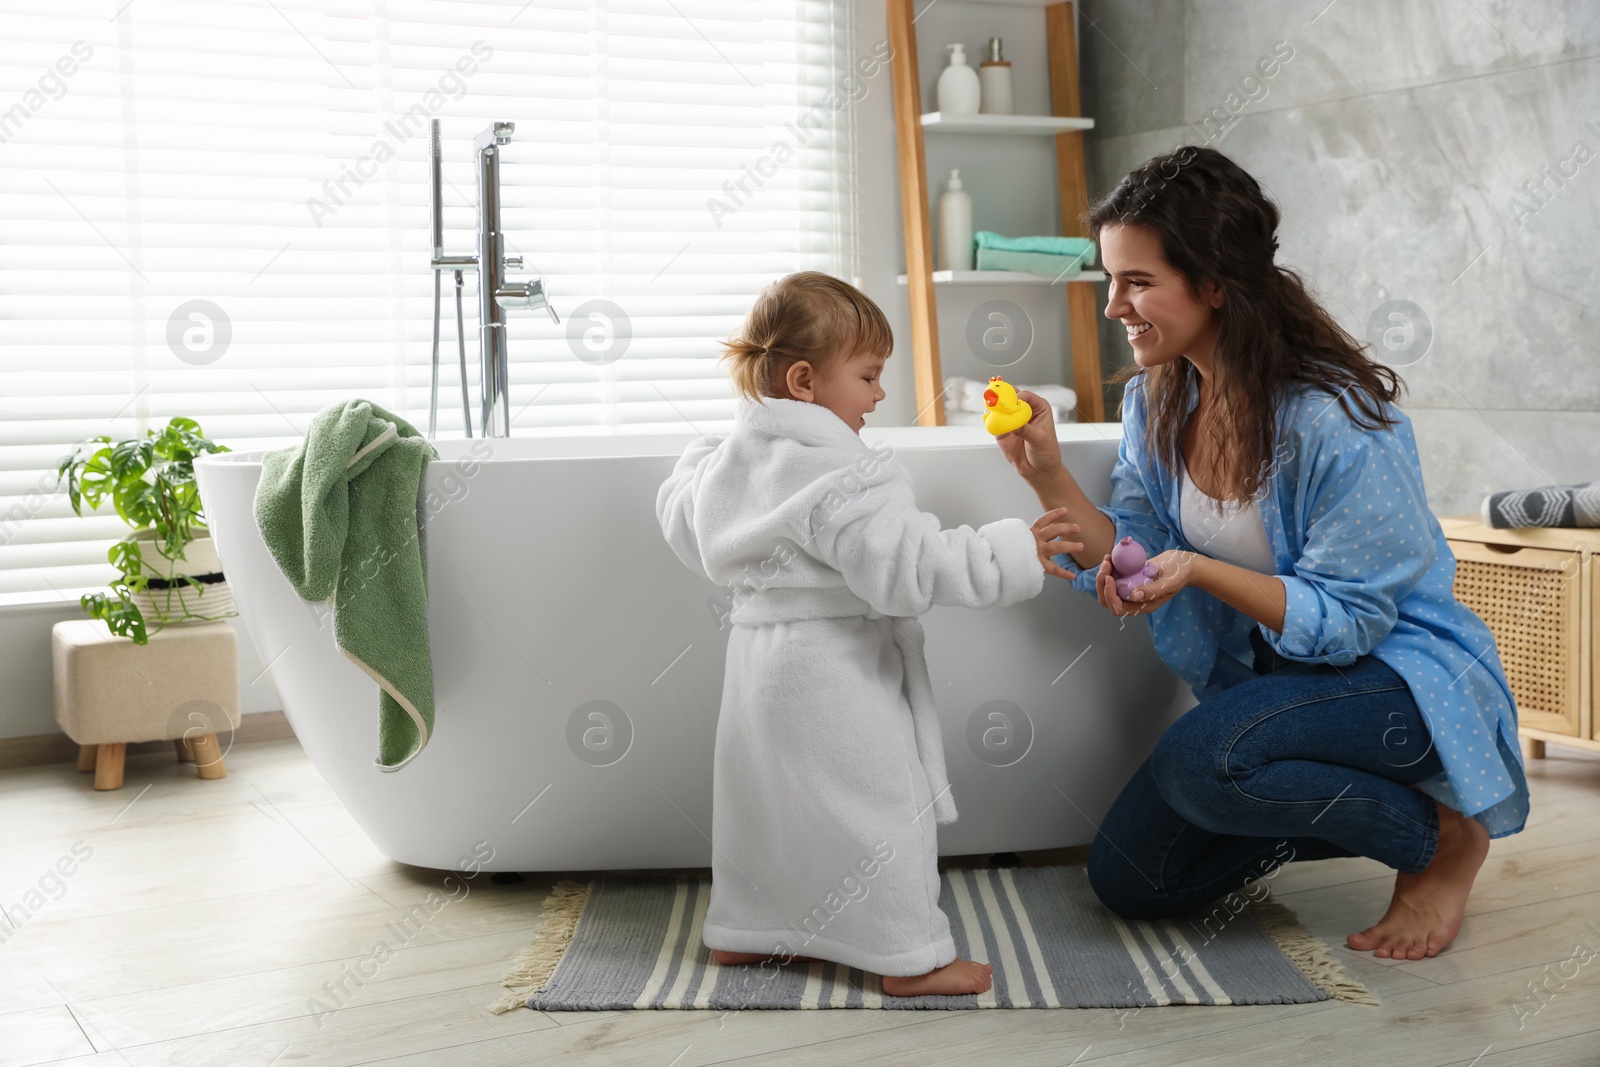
(1440, 152)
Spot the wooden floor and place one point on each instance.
(210, 920)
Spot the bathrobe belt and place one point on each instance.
(758, 608)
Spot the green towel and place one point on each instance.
(1080, 248)
(339, 513)
(1033, 262)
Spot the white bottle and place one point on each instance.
(958, 90)
(994, 77)
(955, 226)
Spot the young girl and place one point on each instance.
(829, 769)
(1350, 705)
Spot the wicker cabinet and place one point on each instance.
(1538, 589)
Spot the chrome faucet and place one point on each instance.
(496, 294)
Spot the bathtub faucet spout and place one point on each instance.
(496, 293)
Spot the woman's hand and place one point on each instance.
(1175, 572)
(1033, 449)
(1047, 531)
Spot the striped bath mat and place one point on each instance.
(630, 942)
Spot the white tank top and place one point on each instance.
(1233, 532)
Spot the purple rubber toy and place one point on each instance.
(1129, 568)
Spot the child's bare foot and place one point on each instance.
(1425, 914)
(953, 979)
(728, 959)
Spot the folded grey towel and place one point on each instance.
(1551, 505)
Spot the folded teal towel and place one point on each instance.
(1032, 262)
(1080, 248)
(338, 512)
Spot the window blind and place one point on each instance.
(220, 209)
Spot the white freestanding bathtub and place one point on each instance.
(578, 665)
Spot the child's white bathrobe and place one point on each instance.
(829, 769)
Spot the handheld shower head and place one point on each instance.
(435, 156)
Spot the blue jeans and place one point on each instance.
(1290, 760)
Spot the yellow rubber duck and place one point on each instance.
(1005, 412)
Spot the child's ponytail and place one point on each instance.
(754, 366)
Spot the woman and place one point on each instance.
(1349, 704)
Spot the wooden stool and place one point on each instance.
(182, 686)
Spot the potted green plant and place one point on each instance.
(150, 481)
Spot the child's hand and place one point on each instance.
(1047, 528)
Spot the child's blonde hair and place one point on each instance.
(807, 316)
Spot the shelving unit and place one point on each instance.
(1066, 124)
(1046, 125)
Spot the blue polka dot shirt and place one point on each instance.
(1366, 570)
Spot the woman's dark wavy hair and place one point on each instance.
(1214, 223)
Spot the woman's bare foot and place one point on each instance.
(1425, 914)
(953, 979)
(727, 959)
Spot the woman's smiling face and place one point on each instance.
(1164, 317)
